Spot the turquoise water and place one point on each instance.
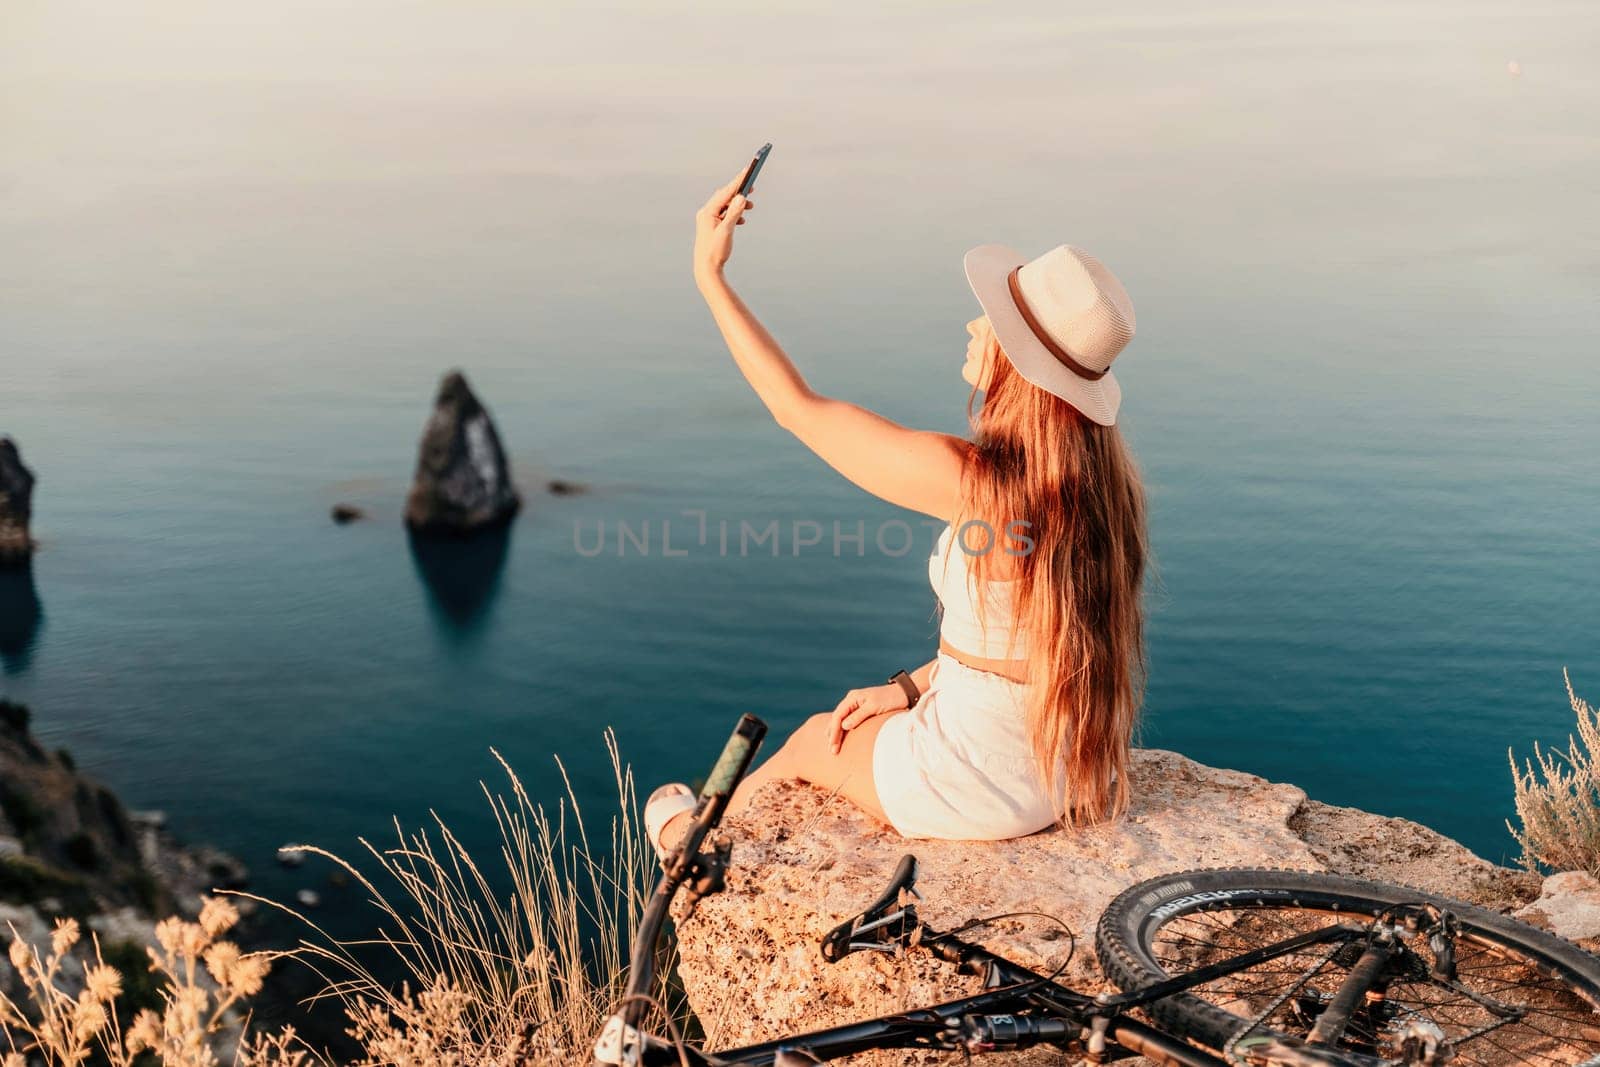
(240, 246)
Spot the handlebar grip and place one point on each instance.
(736, 755)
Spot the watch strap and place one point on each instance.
(913, 694)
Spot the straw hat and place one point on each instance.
(1060, 319)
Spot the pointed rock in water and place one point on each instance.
(16, 498)
(463, 482)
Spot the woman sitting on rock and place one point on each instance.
(1041, 656)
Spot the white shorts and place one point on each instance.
(959, 765)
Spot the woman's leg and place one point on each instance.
(808, 755)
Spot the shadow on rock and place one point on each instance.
(21, 618)
(462, 573)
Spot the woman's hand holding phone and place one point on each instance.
(713, 228)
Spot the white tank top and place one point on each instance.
(980, 630)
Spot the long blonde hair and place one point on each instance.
(1036, 459)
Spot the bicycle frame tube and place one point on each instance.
(917, 1029)
(968, 957)
(1100, 1019)
(1234, 964)
(1363, 977)
(911, 1029)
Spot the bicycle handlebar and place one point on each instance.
(731, 766)
(620, 1035)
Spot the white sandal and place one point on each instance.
(664, 804)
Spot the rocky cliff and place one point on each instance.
(68, 847)
(804, 861)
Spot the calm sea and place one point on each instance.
(240, 242)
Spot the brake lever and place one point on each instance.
(708, 872)
(892, 912)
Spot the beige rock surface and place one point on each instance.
(1569, 906)
(804, 861)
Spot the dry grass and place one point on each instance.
(491, 980)
(1558, 799)
(68, 1018)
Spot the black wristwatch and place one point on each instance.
(903, 679)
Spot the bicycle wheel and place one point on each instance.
(1175, 924)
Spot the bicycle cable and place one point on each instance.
(1072, 942)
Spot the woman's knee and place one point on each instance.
(800, 742)
(808, 753)
(811, 738)
(802, 735)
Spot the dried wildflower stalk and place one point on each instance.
(518, 982)
(1558, 799)
(529, 978)
(205, 979)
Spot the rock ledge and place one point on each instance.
(805, 860)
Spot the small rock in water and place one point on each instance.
(222, 870)
(290, 856)
(1514, 68)
(16, 506)
(559, 487)
(346, 513)
(463, 482)
(308, 898)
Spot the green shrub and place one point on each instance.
(25, 880)
(21, 812)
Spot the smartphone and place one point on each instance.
(749, 181)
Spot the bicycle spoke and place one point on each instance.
(1556, 1028)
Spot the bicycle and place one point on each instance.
(1226, 967)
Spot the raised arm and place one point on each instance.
(916, 469)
